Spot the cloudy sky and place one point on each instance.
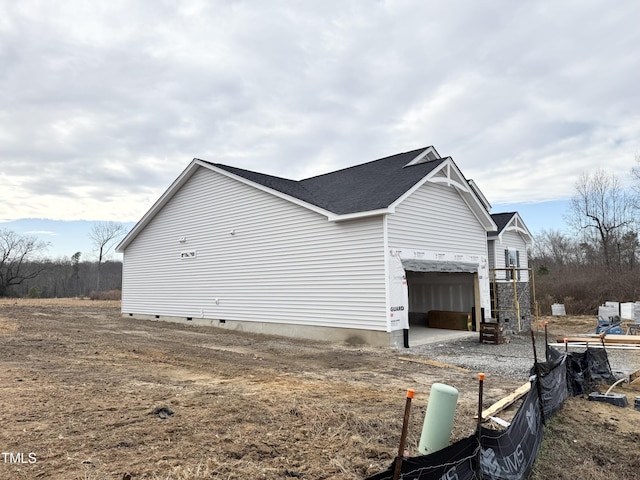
(103, 104)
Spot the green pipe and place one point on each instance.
(438, 421)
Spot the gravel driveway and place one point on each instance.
(514, 359)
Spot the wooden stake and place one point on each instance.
(506, 401)
(478, 428)
(403, 436)
(605, 351)
(536, 368)
(546, 339)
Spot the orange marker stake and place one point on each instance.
(403, 437)
(481, 382)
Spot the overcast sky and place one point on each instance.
(103, 104)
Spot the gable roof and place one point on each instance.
(502, 219)
(510, 222)
(371, 188)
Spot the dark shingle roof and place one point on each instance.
(283, 185)
(501, 220)
(369, 186)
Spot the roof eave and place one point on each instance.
(161, 202)
(355, 215)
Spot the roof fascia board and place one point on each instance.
(421, 156)
(479, 193)
(356, 215)
(480, 213)
(157, 206)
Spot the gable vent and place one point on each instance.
(427, 155)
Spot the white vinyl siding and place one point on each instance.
(511, 241)
(492, 252)
(436, 218)
(282, 264)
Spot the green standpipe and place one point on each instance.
(438, 421)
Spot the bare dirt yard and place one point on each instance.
(87, 394)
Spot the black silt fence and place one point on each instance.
(510, 454)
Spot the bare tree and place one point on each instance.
(603, 211)
(17, 262)
(555, 248)
(635, 174)
(104, 236)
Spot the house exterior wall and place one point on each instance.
(492, 253)
(435, 223)
(504, 306)
(283, 264)
(510, 240)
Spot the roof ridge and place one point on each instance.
(362, 164)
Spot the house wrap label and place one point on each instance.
(398, 317)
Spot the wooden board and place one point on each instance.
(608, 339)
(635, 384)
(505, 402)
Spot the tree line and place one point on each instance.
(25, 271)
(68, 278)
(597, 258)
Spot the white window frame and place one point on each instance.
(511, 259)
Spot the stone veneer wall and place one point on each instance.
(506, 310)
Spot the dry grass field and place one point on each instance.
(87, 394)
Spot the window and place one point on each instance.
(511, 260)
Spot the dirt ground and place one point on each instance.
(87, 394)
